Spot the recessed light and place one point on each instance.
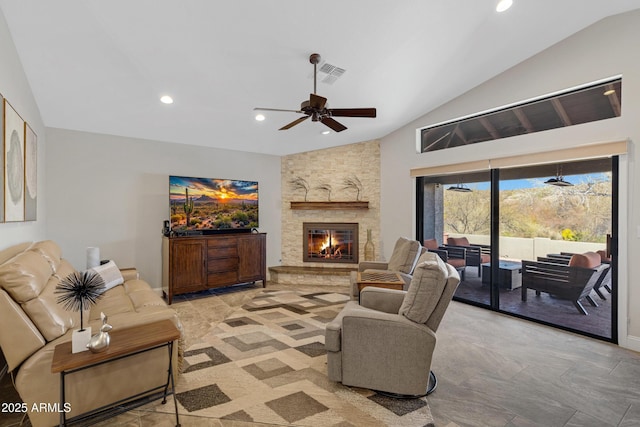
(326, 132)
(609, 92)
(503, 5)
(166, 99)
(260, 117)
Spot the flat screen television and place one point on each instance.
(212, 205)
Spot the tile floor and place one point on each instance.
(493, 370)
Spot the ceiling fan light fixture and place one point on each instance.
(460, 188)
(503, 5)
(260, 117)
(316, 107)
(325, 132)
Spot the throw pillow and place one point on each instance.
(428, 283)
(110, 274)
(405, 255)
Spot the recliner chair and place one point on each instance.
(403, 261)
(386, 343)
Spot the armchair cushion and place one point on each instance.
(586, 260)
(405, 255)
(431, 244)
(427, 285)
(458, 241)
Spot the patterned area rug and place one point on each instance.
(266, 363)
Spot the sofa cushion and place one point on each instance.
(585, 260)
(428, 282)
(25, 276)
(404, 256)
(114, 301)
(50, 251)
(51, 319)
(10, 252)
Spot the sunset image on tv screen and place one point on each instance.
(212, 204)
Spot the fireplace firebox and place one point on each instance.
(330, 242)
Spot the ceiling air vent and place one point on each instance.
(328, 73)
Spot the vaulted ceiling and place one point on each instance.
(101, 66)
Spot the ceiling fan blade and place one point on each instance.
(293, 123)
(317, 101)
(336, 126)
(353, 112)
(277, 109)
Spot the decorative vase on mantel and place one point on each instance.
(369, 248)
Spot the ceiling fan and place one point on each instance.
(316, 108)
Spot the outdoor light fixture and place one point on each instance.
(559, 180)
(460, 188)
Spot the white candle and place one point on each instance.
(93, 257)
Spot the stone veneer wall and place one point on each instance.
(331, 166)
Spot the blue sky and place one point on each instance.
(516, 184)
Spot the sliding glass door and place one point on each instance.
(458, 208)
(538, 240)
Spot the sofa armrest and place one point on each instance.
(382, 299)
(130, 273)
(373, 265)
(19, 337)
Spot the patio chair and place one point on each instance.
(604, 279)
(476, 255)
(455, 256)
(572, 281)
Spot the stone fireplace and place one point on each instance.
(330, 242)
(322, 170)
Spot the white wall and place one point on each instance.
(15, 88)
(608, 48)
(113, 192)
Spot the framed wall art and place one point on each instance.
(30, 173)
(1, 158)
(13, 164)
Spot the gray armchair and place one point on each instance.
(403, 260)
(386, 343)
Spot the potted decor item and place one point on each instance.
(78, 291)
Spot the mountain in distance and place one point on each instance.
(208, 199)
(205, 198)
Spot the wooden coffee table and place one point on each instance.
(124, 343)
(380, 279)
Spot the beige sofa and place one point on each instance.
(32, 324)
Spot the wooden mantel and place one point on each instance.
(329, 205)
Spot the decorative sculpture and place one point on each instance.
(299, 183)
(78, 291)
(353, 183)
(100, 341)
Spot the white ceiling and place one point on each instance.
(101, 66)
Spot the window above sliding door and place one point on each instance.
(588, 103)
